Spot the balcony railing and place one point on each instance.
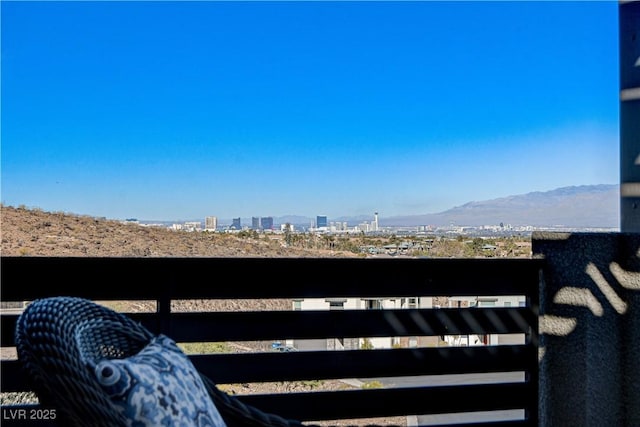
(164, 280)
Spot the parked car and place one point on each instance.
(278, 346)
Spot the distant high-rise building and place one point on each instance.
(266, 223)
(235, 225)
(211, 223)
(287, 228)
(321, 221)
(375, 221)
(255, 223)
(192, 226)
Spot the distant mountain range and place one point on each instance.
(585, 206)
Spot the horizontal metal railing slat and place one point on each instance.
(368, 404)
(7, 329)
(185, 278)
(264, 367)
(51, 423)
(392, 402)
(505, 423)
(248, 326)
(12, 378)
(267, 367)
(267, 325)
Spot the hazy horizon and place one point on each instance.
(610, 211)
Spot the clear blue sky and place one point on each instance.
(180, 110)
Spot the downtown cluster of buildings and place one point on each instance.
(321, 225)
(266, 224)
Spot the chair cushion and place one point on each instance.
(159, 386)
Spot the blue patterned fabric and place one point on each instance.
(159, 386)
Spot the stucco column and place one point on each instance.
(629, 36)
(589, 328)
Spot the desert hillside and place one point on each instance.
(33, 232)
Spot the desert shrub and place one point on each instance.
(372, 384)
(205, 347)
(366, 344)
(312, 384)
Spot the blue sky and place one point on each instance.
(180, 110)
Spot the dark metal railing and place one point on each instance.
(166, 279)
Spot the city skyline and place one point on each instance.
(186, 109)
(578, 207)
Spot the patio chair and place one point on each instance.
(98, 367)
